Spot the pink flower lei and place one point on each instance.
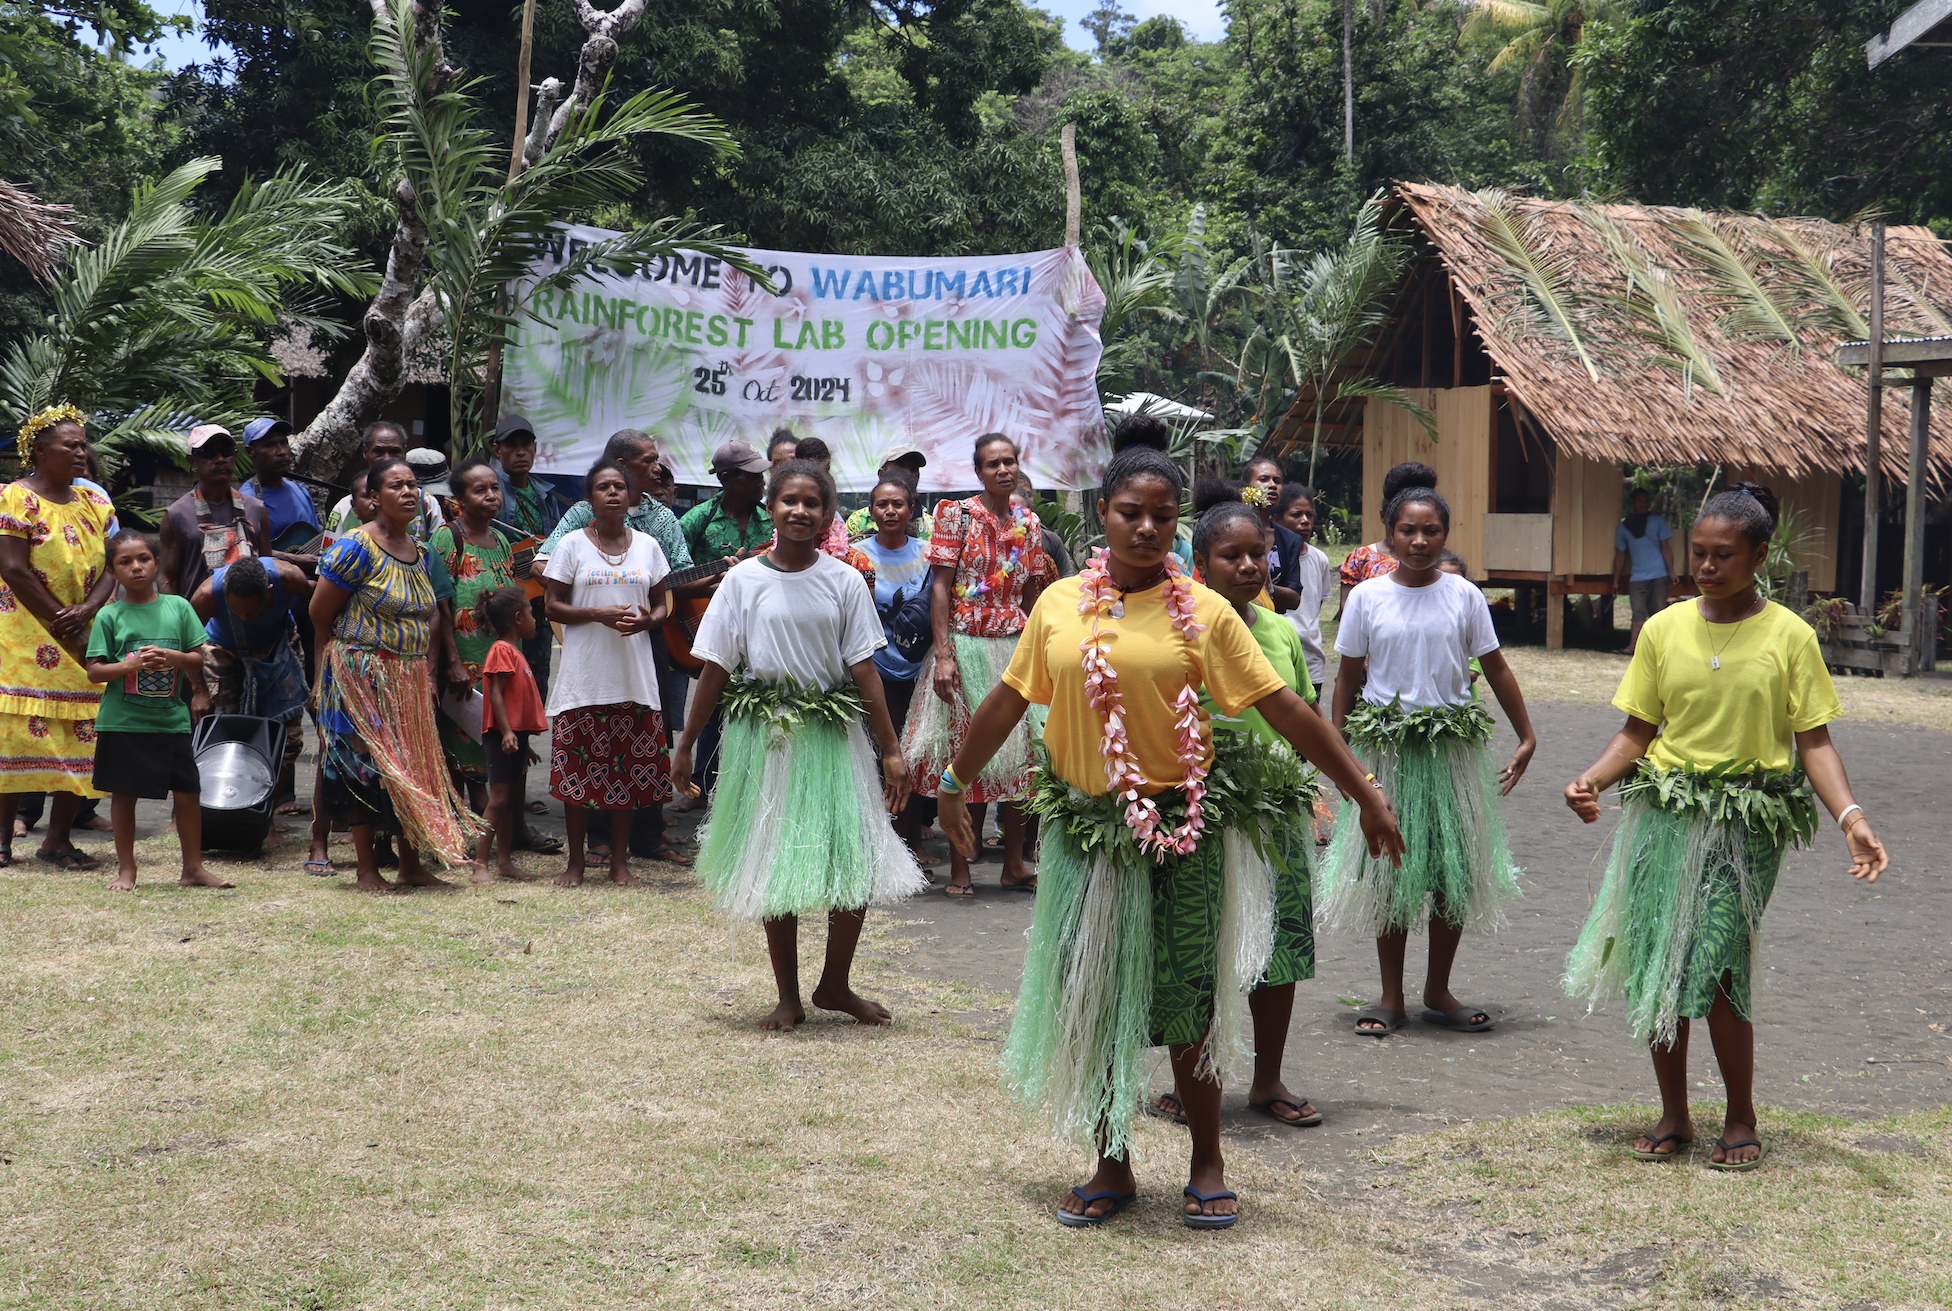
(1096, 596)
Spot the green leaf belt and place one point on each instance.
(1251, 781)
(785, 706)
(1781, 804)
(1393, 726)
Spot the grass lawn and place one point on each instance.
(292, 1096)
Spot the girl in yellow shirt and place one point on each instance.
(1144, 929)
(1721, 762)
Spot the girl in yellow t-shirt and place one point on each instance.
(1146, 880)
(1723, 757)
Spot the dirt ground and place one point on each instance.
(1854, 1008)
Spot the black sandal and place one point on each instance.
(67, 858)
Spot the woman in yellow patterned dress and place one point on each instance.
(53, 535)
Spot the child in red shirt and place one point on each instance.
(512, 711)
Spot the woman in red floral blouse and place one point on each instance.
(990, 565)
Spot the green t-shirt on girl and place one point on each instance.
(147, 701)
(1282, 646)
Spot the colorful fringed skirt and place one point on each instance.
(1688, 878)
(1127, 953)
(381, 752)
(936, 729)
(797, 825)
(1433, 766)
(609, 757)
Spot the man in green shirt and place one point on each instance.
(734, 521)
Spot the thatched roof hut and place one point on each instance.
(34, 231)
(1573, 338)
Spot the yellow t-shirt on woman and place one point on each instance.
(1153, 663)
(1772, 685)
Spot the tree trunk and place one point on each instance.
(1348, 81)
(396, 320)
(599, 53)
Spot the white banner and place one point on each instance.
(861, 352)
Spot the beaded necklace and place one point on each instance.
(1019, 537)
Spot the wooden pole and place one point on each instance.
(1874, 427)
(522, 90)
(491, 375)
(1067, 144)
(1921, 435)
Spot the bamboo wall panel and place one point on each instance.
(1461, 456)
(1818, 502)
(1585, 513)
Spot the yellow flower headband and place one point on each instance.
(46, 419)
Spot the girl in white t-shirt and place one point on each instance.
(1403, 697)
(800, 820)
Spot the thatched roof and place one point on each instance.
(33, 231)
(1637, 333)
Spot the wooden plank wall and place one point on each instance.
(1818, 499)
(1585, 513)
(1462, 457)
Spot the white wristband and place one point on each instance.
(1852, 809)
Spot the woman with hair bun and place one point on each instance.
(1403, 696)
(1159, 914)
(1724, 755)
(1374, 559)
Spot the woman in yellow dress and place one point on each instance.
(53, 536)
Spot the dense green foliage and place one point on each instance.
(1210, 171)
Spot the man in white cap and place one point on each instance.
(904, 457)
(213, 523)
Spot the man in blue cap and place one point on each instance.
(268, 443)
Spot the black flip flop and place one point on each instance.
(1303, 1122)
(1078, 1220)
(1761, 1155)
(538, 808)
(1680, 1148)
(1389, 1019)
(1157, 1107)
(67, 859)
(1459, 1020)
(1210, 1221)
(1028, 885)
(959, 891)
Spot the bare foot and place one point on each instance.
(292, 807)
(1651, 1140)
(784, 1016)
(1734, 1131)
(479, 873)
(374, 882)
(623, 878)
(20, 828)
(96, 824)
(125, 881)
(571, 877)
(423, 878)
(198, 877)
(849, 1002)
(513, 875)
(1112, 1177)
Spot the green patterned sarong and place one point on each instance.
(1294, 909)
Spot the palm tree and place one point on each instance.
(1322, 308)
(1539, 37)
(1133, 275)
(487, 231)
(171, 316)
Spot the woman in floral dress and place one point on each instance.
(989, 562)
(52, 536)
(479, 559)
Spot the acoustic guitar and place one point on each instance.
(681, 626)
(521, 563)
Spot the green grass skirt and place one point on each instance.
(1124, 957)
(1446, 799)
(1681, 906)
(935, 729)
(797, 825)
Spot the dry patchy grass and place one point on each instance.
(292, 1096)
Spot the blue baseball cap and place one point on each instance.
(259, 429)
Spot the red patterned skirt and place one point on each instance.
(610, 757)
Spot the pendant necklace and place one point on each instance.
(1118, 606)
(1715, 652)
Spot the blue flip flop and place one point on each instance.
(1210, 1221)
(1072, 1220)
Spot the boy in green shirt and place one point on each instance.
(147, 649)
